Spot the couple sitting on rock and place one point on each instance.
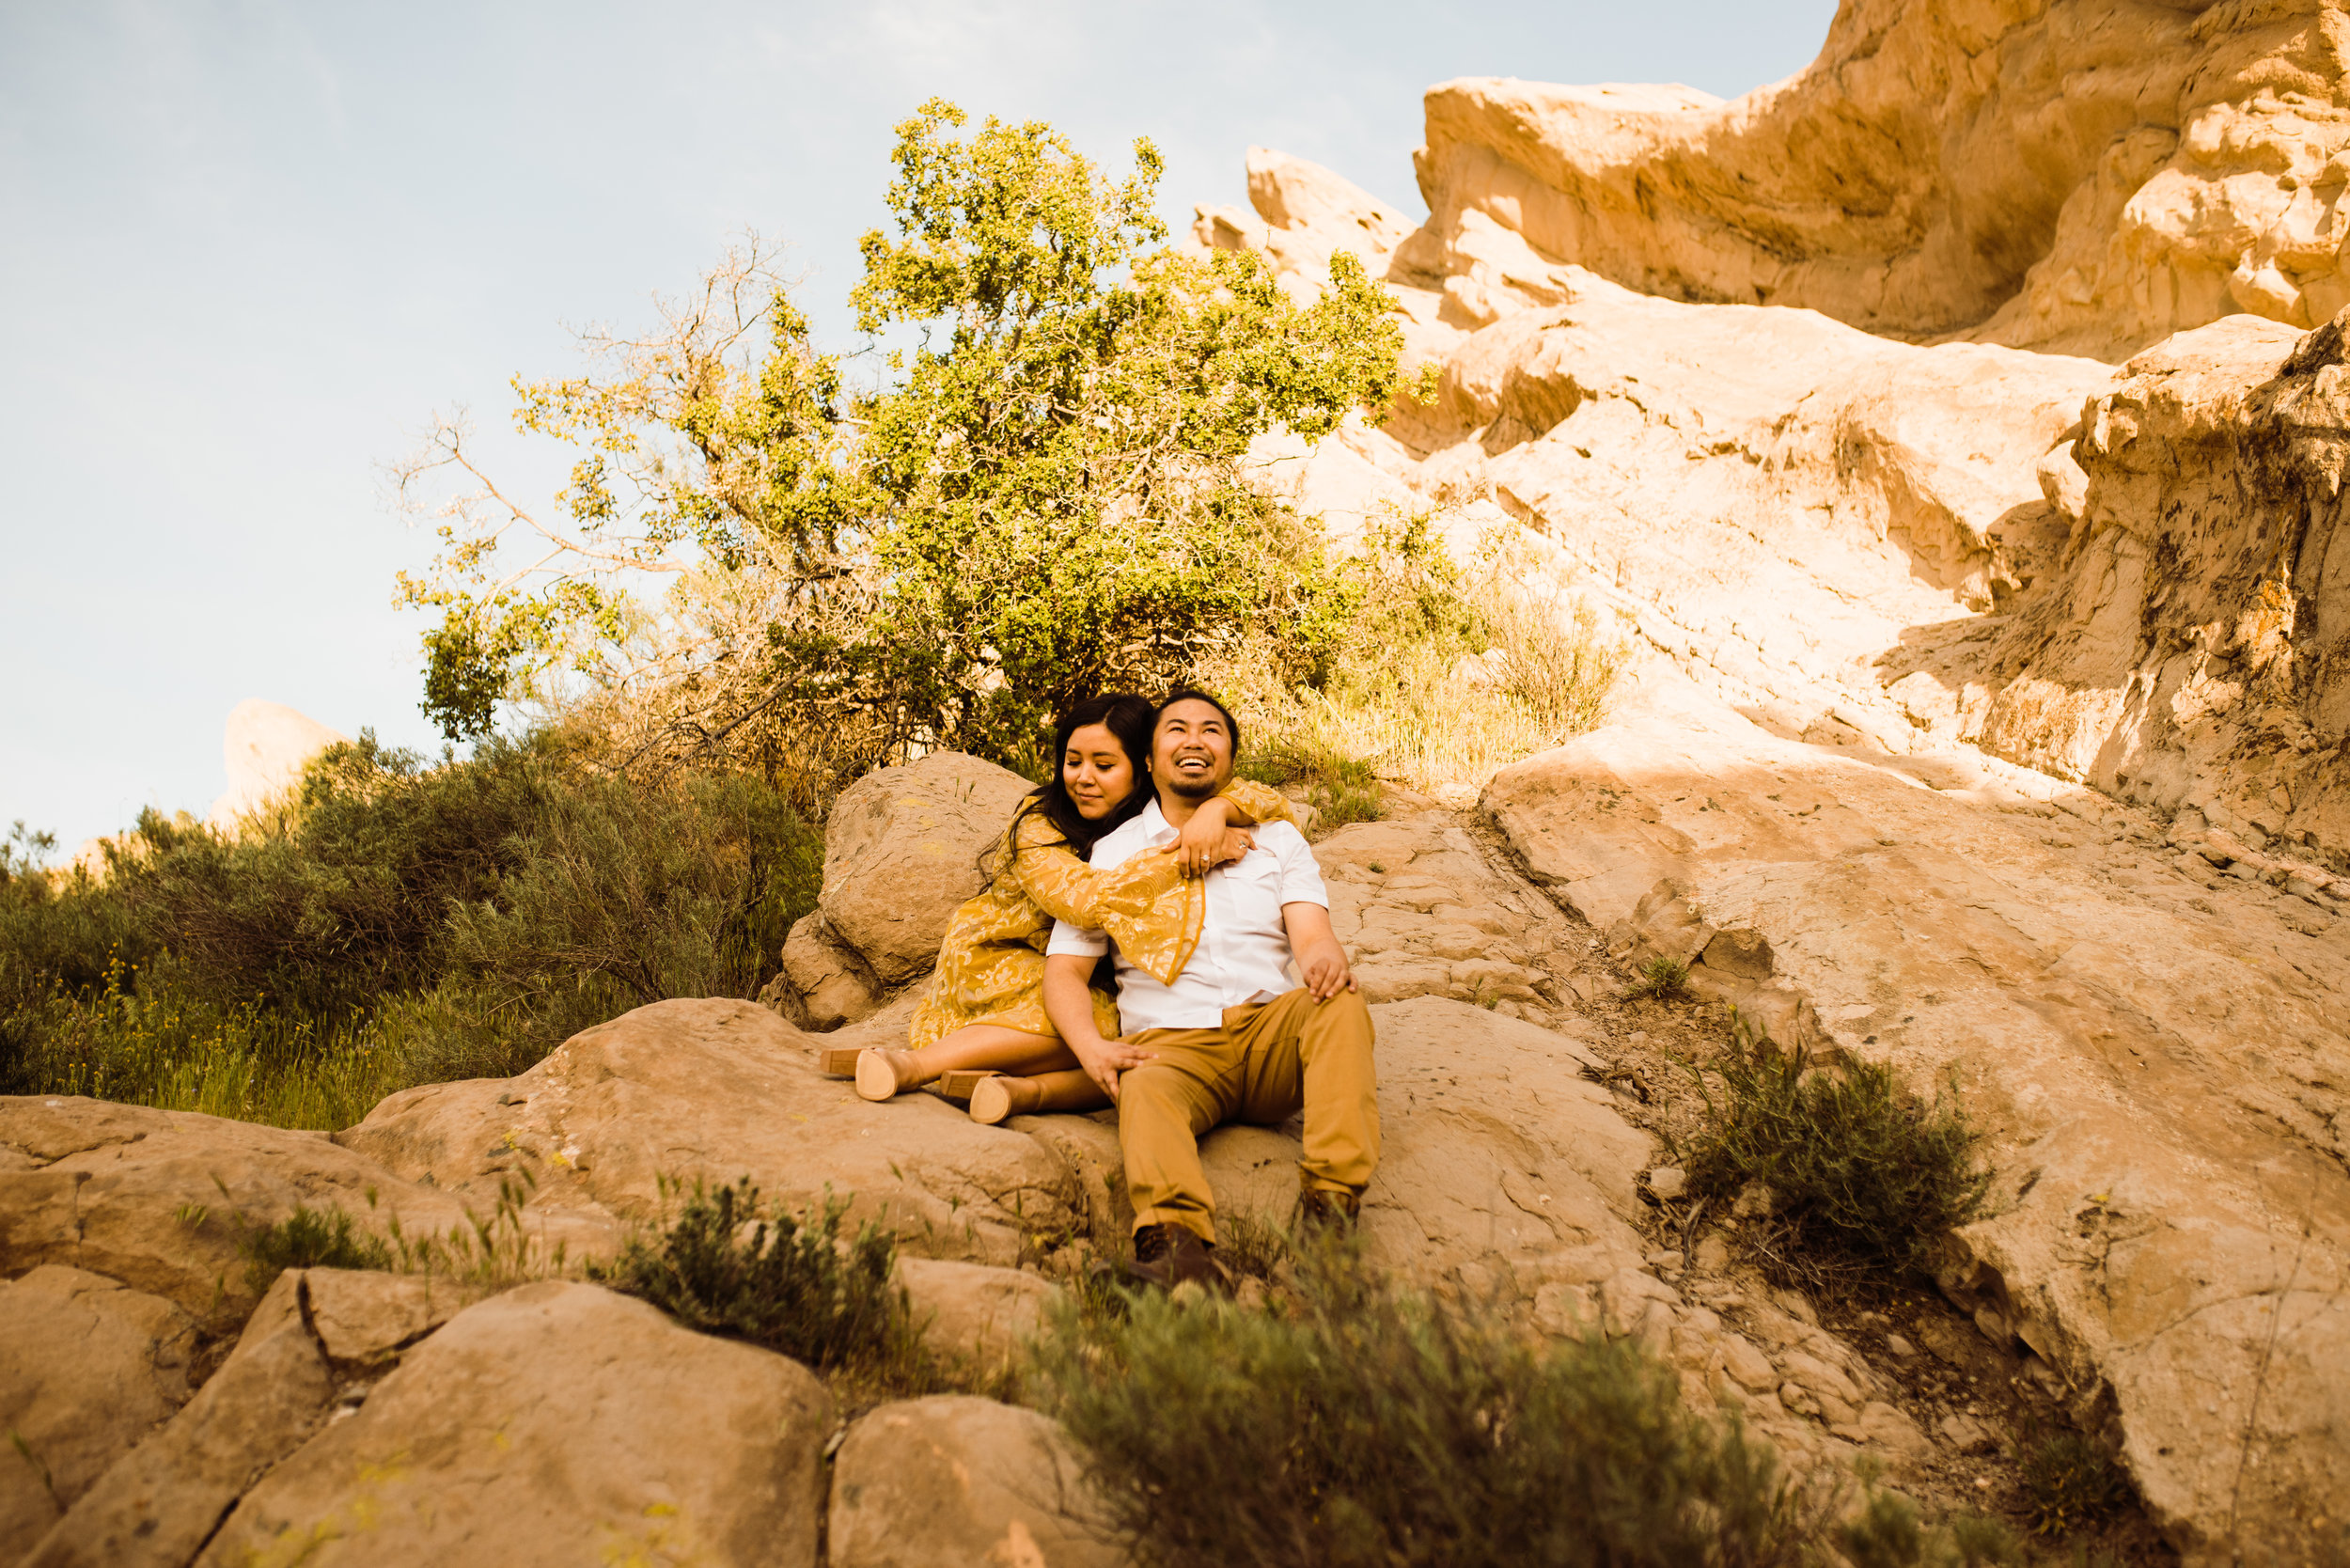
(1204, 894)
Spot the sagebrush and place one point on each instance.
(392, 921)
(792, 1284)
(1859, 1180)
(1354, 1425)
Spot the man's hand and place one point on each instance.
(1319, 959)
(1069, 1003)
(1105, 1060)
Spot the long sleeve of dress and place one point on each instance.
(1147, 905)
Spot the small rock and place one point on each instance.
(1746, 1366)
(1667, 1262)
(1885, 1426)
(1712, 1255)
(1966, 1434)
(1668, 1182)
(1899, 1346)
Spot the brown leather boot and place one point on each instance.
(1167, 1256)
(1321, 1210)
(883, 1074)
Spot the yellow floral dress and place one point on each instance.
(991, 968)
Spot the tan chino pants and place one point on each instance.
(1265, 1063)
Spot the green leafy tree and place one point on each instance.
(1045, 495)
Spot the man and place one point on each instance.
(1232, 1040)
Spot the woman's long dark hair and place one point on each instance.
(1128, 717)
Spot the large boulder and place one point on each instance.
(157, 1505)
(2165, 1228)
(952, 1480)
(159, 1201)
(715, 1091)
(901, 850)
(557, 1424)
(87, 1369)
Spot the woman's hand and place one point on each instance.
(1235, 842)
(1105, 1060)
(1204, 842)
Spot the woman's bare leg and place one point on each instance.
(986, 1047)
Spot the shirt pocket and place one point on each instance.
(1259, 870)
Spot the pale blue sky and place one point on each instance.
(245, 249)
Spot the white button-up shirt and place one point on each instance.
(1243, 953)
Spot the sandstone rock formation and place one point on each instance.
(1991, 714)
(642, 1439)
(901, 850)
(264, 748)
(953, 1479)
(2066, 173)
(1511, 1179)
(2167, 1199)
(87, 1369)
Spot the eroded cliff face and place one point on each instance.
(2191, 646)
(2081, 174)
(2001, 694)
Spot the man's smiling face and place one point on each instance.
(1191, 750)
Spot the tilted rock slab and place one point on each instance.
(712, 1092)
(87, 1369)
(2160, 1079)
(557, 1424)
(158, 1199)
(2189, 648)
(314, 1347)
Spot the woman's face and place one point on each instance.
(1095, 771)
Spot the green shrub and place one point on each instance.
(151, 1036)
(1864, 1178)
(1885, 1532)
(1354, 1426)
(680, 888)
(790, 1283)
(2069, 1481)
(391, 923)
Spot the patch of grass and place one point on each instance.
(1664, 978)
(1864, 1177)
(1448, 673)
(2069, 1483)
(791, 1283)
(308, 1238)
(1350, 1425)
(1343, 789)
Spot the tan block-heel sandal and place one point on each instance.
(957, 1084)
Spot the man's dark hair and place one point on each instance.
(1188, 693)
(1129, 718)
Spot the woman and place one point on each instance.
(983, 1017)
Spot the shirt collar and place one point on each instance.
(1155, 829)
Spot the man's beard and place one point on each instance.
(1185, 787)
